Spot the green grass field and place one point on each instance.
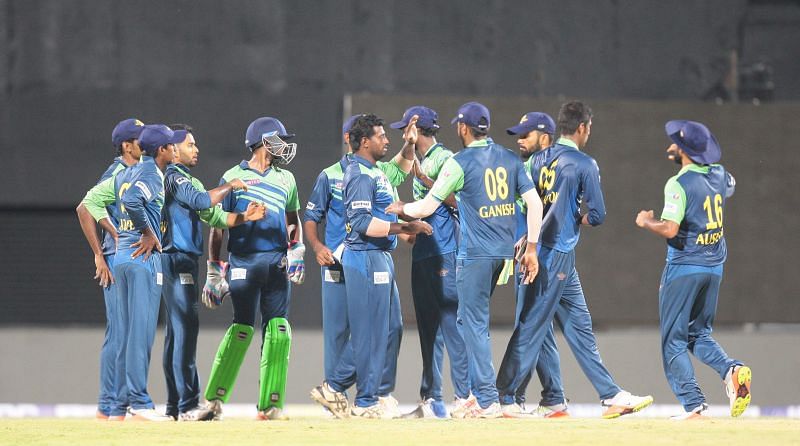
(238, 432)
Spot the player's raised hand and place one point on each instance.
(417, 169)
(237, 184)
(102, 273)
(643, 217)
(146, 245)
(410, 133)
(418, 227)
(529, 265)
(255, 211)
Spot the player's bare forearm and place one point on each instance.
(215, 237)
(254, 212)
(664, 228)
(312, 237)
(405, 158)
(89, 228)
(293, 222)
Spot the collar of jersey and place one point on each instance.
(567, 142)
(481, 142)
(432, 149)
(694, 168)
(362, 161)
(182, 169)
(151, 160)
(245, 166)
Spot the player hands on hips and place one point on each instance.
(692, 223)
(265, 256)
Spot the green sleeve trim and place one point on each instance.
(214, 217)
(293, 200)
(674, 201)
(393, 172)
(450, 180)
(439, 158)
(98, 197)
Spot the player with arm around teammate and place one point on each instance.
(486, 178)
(326, 204)
(694, 203)
(265, 255)
(187, 205)
(125, 138)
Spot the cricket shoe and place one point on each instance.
(335, 402)
(698, 413)
(493, 411)
(429, 408)
(463, 405)
(554, 411)
(272, 413)
(623, 403)
(147, 415)
(374, 411)
(391, 407)
(199, 413)
(116, 418)
(216, 407)
(100, 416)
(515, 410)
(737, 386)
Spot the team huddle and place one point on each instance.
(480, 217)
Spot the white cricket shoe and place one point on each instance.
(429, 408)
(554, 411)
(623, 403)
(515, 411)
(147, 415)
(335, 402)
(463, 405)
(374, 411)
(272, 413)
(199, 413)
(493, 411)
(391, 407)
(737, 386)
(698, 413)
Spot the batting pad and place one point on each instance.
(274, 363)
(230, 356)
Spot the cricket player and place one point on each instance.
(125, 139)
(692, 223)
(433, 274)
(187, 205)
(486, 178)
(326, 204)
(367, 261)
(565, 178)
(139, 196)
(265, 255)
(535, 132)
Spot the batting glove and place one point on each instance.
(296, 268)
(216, 287)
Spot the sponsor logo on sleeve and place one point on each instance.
(670, 208)
(181, 180)
(145, 190)
(310, 206)
(361, 205)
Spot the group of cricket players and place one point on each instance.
(481, 217)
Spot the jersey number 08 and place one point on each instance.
(496, 183)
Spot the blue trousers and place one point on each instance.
(475, 282)
(433, 287)
(376, 326)
(108, 353)
(139, 290)
(335, 328)
(258, 282)
(556, 293)
(687, 304)
(182, 326)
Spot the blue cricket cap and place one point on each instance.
(695, 139)
(156, 135)
(126, 130)
(348, 124)
(473, 114)
(262, 127)
(533, 121)
(427, 118)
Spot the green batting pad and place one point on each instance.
(228, 361)
(275, 363)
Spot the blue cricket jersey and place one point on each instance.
(444, 219)
(487, 178)
(109, 244)
(183, 200)
(327, 203)
(695, 199)
(367, 193)
(565, 177)
(140, 197)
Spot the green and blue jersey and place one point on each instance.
(327, 202)
(187, 205)
(444, 220)
(486, 178)
(695, 199)
(109, 244)
(277, 190)
(367, 194)
(565, 178)
(140, 197)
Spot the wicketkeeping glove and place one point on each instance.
(296, 266)
(216, 287)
